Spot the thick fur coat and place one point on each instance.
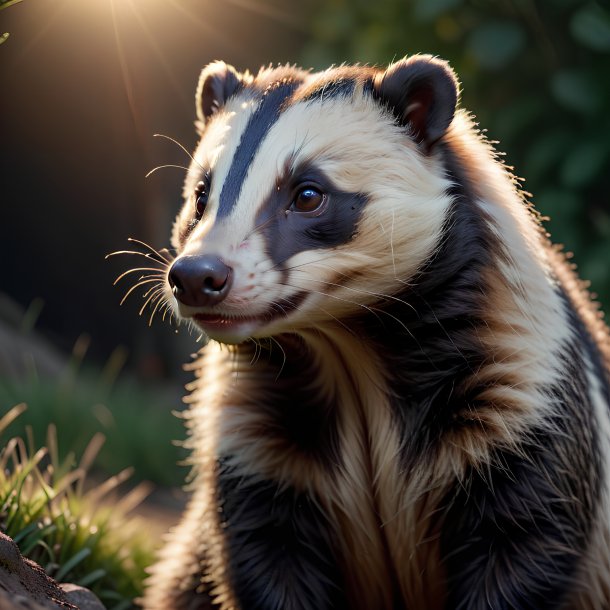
(405, 402)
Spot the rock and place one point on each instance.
(10, 601)
(24, 585)
(81, 597)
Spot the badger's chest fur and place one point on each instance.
(405, 401)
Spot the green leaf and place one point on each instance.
(595, 266)
(7, 3)
(337, 25)
(522, 114)
(546, 151)
(91, 577)
(25, 532)
(495, 44)
(584, 162)
(560, 204)
(576, 90)
(564, 4)
(427, 10)
(591, 27)
(124, 605)
(601, 219)
(72, 562)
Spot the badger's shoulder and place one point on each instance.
(411, 361)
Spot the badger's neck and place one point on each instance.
(459, 357)
(468, 347)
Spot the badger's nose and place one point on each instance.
(200, 281)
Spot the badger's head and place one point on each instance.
(311, 196)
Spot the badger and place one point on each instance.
(404, 403)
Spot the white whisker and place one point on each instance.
(161, 299)
(154, 169)
(153, 250)
(157, 293)
(147, 255)
(137, 286)
(379, 295)
(162, 135)
(283, 354)
(158, 274)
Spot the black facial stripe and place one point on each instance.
(257, 128)
(287, 234)
(341, 87)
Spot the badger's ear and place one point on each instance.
(217, 83)
(422, 93)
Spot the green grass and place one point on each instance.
(140, 428)
(6, 4)
(77, 535)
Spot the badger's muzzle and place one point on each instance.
(200, 281)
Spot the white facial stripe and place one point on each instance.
(361, 150)
(358, 146)
(218, 145)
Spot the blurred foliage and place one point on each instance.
(137, 421)
(535, 74)
(78, 536)
(6, 4)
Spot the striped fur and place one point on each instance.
(405, 401)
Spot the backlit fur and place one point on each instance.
(424, 421)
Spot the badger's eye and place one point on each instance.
(308, 199)
(201, 197)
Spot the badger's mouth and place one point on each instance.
(231, 327)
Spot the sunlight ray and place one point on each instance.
(195, 18)
(177, 89)
(260, 8)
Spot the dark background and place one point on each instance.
(84, 85)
